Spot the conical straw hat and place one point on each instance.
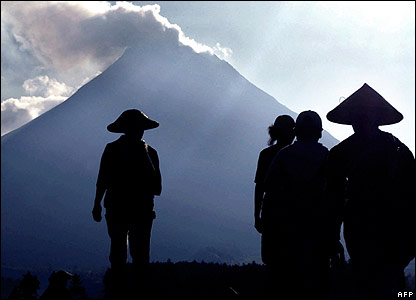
(365, 101)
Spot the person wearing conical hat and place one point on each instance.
(129, 176)
(370, 177)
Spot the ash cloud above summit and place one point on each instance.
(307, 55)
(59, 46)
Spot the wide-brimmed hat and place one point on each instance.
(131, 120)
(365, 101)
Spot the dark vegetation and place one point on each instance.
(184, 279)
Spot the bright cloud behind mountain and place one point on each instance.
(306, 54)
(70, 43)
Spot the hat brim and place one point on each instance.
(365, 101)
(118, 127)
(347, 115)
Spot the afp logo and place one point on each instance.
(404, 294)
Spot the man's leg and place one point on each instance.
(118, 256)
(139, 244)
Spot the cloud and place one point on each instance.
(17, 111)
(222, 52)
(34, 105)
(14, 118)
(72, 42)
(64, 34)
(46, 87)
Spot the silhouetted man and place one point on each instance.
(295, 200)
(282, 132)
(129, 176)
(370, 178)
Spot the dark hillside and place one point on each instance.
(202, 280)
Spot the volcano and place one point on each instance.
(213, 124)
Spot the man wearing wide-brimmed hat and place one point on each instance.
(370, 178)
(129, 176)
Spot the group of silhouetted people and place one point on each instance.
(303, 193)
(293, 215)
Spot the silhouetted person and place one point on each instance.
(282, 132)
(370, 178)
(129, 176)
(57, 286)
(294, 197)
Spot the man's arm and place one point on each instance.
(96, 211)
(102, 183)
(259, 193)
(154, 159)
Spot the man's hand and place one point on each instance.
(96, 213)
(258, 224)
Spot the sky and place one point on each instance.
(307, 55)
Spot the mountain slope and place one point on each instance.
(213, 124)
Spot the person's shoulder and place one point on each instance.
(269, 151)
(273, 150)
(150, 149)
(113, 144)
(343, 145)
(286, 150)
(390, 138)
(322, 148)
(398, 145)
(298, 148)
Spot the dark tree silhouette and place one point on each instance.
(76, 288)
(27, 288)
(196, 279)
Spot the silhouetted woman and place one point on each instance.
(281, 132)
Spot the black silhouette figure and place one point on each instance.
(76, 288)
(294, 203)
(370, 186)
(57, 286)
(129, 176)
(27, 288)
(282, 132)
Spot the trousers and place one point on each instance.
(134, 231)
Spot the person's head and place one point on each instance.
(308, 126)
(364, 123)
(136, 133)
(132, 122)
(282, 130)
